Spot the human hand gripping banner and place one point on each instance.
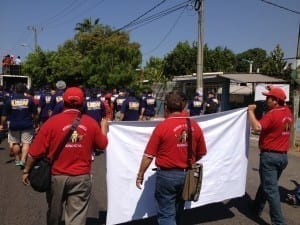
(224, 174)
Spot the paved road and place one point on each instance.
(20, 205)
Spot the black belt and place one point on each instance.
(273, 151)
(171, 169)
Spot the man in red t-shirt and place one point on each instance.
(71, 180)
(274, 128)
(168, 145)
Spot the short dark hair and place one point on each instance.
(174, 101)
(21, 88)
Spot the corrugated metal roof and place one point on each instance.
(252, 78)
(235, 89)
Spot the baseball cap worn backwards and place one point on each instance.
(73, 95)
(61, 85)
(276, 92)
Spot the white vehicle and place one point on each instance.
(10, 80)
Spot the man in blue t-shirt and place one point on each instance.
(94, 107)
(131, 107)
(57, 97)
(21, 110)
(148, 105)
(118, 104)
(44, 106)
(211, 105)
(195, 105)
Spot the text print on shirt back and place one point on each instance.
(286, 121)
(19, 103)
(93, 105)
(181, 135)
(134, 105)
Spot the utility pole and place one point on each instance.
(295, 141)
(35, 30)
(199, 4)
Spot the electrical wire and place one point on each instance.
(282, 7)
(148, 11)
(154, 16)
(62, 13)
(77, 16)
(168, 33)
(23, 36)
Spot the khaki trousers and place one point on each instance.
(68, 194)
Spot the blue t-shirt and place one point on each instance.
(55, 99)
(119, 102)
(45, 105)
(195, 107)
(149, 103)
(20, 109)
(95, 108)
(131, 108)
(58, 108)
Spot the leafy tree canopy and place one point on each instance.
(96, 56)
(256, 56)
(99, 56)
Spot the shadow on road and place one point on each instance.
(243, 205)
(203, 214)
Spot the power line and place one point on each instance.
(53, 25)
(24, 36)
(155, 16)
(167, 34)
(135, 20)
(62, 13)
(282, 7)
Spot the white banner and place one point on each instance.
(225, 165)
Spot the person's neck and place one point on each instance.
(174, 114)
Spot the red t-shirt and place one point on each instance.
(75, 158)
(276, 126)
(168, 142)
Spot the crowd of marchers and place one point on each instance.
(36, 123)
(24, 110)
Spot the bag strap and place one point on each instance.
(62, 144)
(190, 141)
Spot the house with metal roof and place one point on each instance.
(233, 90)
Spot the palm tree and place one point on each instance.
(87, 25)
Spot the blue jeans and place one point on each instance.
(271, 166)
(297, 195)
(168, 190)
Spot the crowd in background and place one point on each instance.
(28, 108)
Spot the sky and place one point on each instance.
(238, 25)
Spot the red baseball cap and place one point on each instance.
(276, 92)
(73, 95)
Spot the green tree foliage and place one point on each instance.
(183, 60)
(99, 56)
(180, 61)
(38, 67)
(218, 59)
(96, 56)
(87, 25)
(154, 70)
(66, 64)
(257, 55)
(275, 65)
